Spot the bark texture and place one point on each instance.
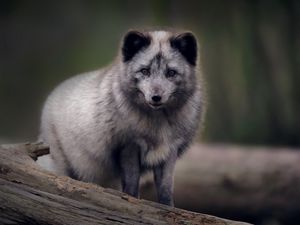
(30, 195)
(242, 183)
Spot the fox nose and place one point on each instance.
(156, 98)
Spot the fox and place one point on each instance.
(137, 115)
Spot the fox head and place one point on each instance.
(159, 68)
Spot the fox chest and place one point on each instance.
(155, 149)
(156, 155)
(156, 140)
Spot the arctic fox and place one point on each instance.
(138, 114)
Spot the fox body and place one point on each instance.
(138, 114)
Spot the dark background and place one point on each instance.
(250, 57)
(249, 52)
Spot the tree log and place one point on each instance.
(242, 183)
(31, 195)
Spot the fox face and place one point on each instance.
(159, 68)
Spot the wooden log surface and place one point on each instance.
(31, 195)
(242, 183)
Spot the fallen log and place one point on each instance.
(255, 184)
(31, 195)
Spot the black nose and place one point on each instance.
(156, 98)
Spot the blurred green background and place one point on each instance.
(250, 54)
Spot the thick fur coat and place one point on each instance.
(138, 114)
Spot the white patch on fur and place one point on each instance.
(157, 155)
(159, 36)
(46, 162)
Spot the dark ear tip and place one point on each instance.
(133, 33)
(131, 36)
(188, 36)
(132, 43)
(186, 44)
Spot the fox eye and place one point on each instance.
(145, 71)
(171, 73)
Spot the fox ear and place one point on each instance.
(186, 44)
(133, 42)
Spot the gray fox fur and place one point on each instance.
(139, 114)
